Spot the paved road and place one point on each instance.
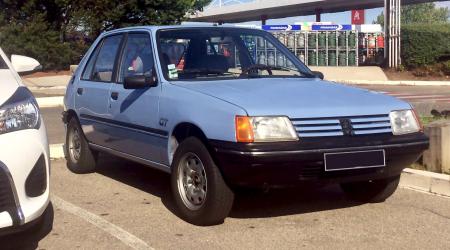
(423, 98)
(54, 125)
(136, 199)
(125, 204)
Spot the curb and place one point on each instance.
(50, 102)
(425, 181)
(46, 88)
(400, 83)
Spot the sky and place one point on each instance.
(340, 18)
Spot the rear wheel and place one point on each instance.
(371, 191)
(201, 195)
(80, 158)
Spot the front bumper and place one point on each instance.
(302, 162)
(24, 174)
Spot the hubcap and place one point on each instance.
(74, 145)
(192, 182)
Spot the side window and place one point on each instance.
(104, 64)
(90, 64)
(138, 57)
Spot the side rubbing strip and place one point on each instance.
(126, 125)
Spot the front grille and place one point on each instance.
(340, 126)
(7, 202)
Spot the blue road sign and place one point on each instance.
(331, 27)
(281, 27)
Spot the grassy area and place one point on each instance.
(418, 166)
(429, 119)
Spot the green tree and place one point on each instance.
(425, 13)
(28, 26)
(36, 39)
(99, 15)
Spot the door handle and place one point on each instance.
(114, 95)
(80, 91)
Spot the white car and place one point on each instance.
(24, 150)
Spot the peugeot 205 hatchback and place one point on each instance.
(24, 153)
(224, 107)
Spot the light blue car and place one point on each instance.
(222, 107)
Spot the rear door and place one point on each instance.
(136, 111)
(92, 91)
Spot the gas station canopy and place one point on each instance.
(270, 9)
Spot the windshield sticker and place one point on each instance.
(173, 72)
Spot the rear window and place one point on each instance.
(3, 64)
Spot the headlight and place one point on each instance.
(264, 129)
(20, 112)
(404, 122)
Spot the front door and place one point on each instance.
(92, 91)
(136, 111)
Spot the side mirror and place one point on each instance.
(24, 64)
(139, 82)
(318, 74)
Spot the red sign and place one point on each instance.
(358, 17)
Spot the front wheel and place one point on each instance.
(201, 195)
(371, 191)
(80, 158)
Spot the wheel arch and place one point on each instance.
(184, 130)
(68, 115)
(181, 132)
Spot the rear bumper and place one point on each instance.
(296, 163)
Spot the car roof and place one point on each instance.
(180, 26)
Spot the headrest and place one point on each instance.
(214, 63)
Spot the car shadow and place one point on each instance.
(247, 204)
(30, 237)
(282, 202)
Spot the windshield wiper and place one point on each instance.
(248, 71)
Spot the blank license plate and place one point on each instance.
(354, 160)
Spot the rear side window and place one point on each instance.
(100, 67)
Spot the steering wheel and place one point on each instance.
(255, 67)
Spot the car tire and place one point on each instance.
(200, 193)
(80, 158)
(371, 191)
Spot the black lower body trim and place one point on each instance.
(297, 163)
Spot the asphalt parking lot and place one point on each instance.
(128, 206)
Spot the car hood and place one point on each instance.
(8, 85)
(298, 97)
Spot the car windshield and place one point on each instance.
(225, 53)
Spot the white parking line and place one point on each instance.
(115, 231)
(56, 151)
